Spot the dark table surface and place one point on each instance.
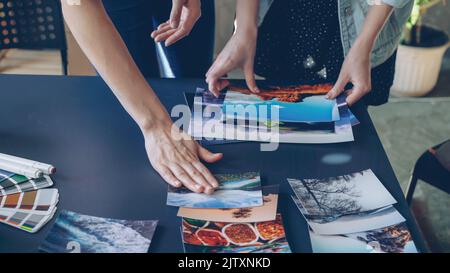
(77, 124)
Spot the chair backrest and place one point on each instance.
(32, 24)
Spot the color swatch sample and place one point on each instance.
(29, 211)
(30, 221)
(218, 237)
(235, 191)
(41, 200)
(25, 203)
(12, 180)
(4, 175)
(78, 233)
(11, 185)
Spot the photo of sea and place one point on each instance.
(78, 233)
(315, 108)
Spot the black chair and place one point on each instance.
(429, 170)
(33, 24)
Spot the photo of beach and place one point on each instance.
(266, 212)
(295, 103)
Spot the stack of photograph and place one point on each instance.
(352, 213)
(239, 217)
(25, 203)
(292, 114)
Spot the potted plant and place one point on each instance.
(420, 54)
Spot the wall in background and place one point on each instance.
(439, 16)
(225, 12)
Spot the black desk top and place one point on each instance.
(77, 124)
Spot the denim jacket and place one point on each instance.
(352, 15)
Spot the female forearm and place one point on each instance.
(172, 153)
(247, 15)
(376, 18)
(239, 52)
(356, 68)
(102, 44)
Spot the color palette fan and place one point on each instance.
(25, 203)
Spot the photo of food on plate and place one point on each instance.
(220, 237)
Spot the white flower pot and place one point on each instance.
(417, 70)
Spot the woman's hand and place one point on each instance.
(184, 15)
(356, 69)
(177, 158)
(238, 53)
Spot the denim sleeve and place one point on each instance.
(397, 3)
(264, 6)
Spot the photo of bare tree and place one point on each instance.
(341, 195)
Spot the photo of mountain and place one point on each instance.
(235, 191)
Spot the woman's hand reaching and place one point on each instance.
(177, 158)
(357, 66)
(356, 70)
(184, 15)
(238, 53)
